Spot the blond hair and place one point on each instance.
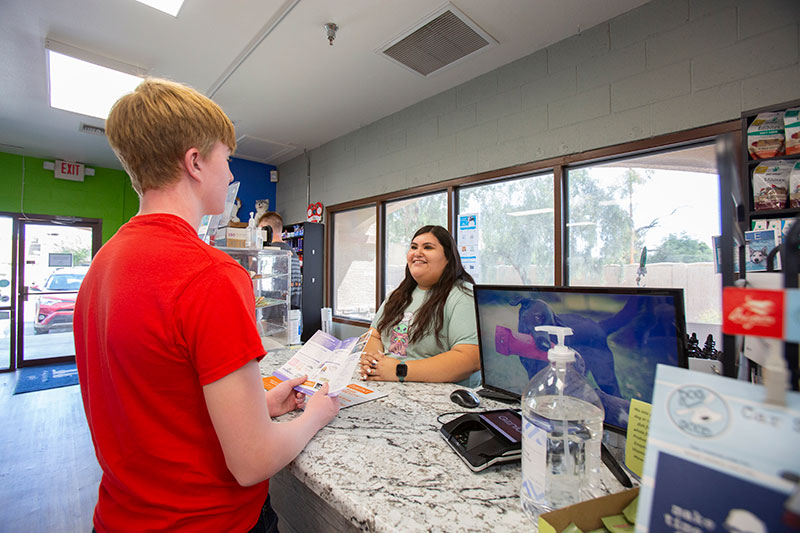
(151, 129)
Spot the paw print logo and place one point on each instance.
(698, 411)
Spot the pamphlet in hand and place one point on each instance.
(325, 359)
(353, 394)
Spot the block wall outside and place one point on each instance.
(667, 66)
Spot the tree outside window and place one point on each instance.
(515, 227)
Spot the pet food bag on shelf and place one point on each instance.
(771, 184)
(765, 136)
(791, 126)
(794, 185)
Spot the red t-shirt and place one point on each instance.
(159, 315)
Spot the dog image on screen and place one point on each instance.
(588, 338)
(637, 326)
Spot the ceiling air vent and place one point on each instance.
(447, 36)
(262, 150)
(93, 130)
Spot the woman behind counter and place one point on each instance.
(425, 330)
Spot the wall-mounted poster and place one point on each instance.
(467, 238)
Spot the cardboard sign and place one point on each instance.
(636, 441)
(718, 457)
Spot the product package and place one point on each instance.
(765, 136)
(771, 185)
(794, 186)
(791, 126)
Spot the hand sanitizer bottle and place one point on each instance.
(562, 431)
(252, 232)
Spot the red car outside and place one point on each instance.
(54, 311)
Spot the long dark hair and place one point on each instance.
(431, 312)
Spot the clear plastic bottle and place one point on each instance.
(562, 431)
(252, 233)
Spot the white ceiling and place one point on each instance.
(293, 89)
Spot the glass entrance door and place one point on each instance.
(54, 258)
(6, 292)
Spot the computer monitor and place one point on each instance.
(620, 333)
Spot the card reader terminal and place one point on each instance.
(484, 439)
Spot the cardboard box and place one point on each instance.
(231, 237)
(586, 515)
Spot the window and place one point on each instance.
(577, 219)
(659, 211)
(403, 219)
(354, 284)
(515, 230)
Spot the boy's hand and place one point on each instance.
(321, 407)
(283, 398)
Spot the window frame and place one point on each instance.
(330, 262)
(566, 169)
(557, 247)
(557, 165)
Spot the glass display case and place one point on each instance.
(269, 269)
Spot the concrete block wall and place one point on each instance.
(666, 66)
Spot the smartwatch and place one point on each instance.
(401, 371)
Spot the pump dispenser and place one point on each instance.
(560, 353)
(562, 433)
(252, 233)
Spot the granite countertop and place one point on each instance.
(384, 466)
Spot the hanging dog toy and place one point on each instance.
(641, 272)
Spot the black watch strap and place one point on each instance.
(401, 370)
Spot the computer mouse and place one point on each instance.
(465, 398)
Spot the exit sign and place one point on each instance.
(66, 170)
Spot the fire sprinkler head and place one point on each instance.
(331, 29)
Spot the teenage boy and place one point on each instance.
(166, 342)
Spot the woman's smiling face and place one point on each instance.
(426, 260)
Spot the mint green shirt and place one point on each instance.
(458, 327)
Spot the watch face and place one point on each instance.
(402, 370)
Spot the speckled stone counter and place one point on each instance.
(383, 466)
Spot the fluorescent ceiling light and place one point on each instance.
(86, 87)
(171, 7)
(531, 212)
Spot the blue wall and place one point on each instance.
(254, 185)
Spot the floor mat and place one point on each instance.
(46, 377)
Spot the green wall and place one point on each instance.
(107, 195)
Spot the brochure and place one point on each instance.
(325, 359)
(353, 394)
(718, 458)
(210, 223)
(758, 245)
